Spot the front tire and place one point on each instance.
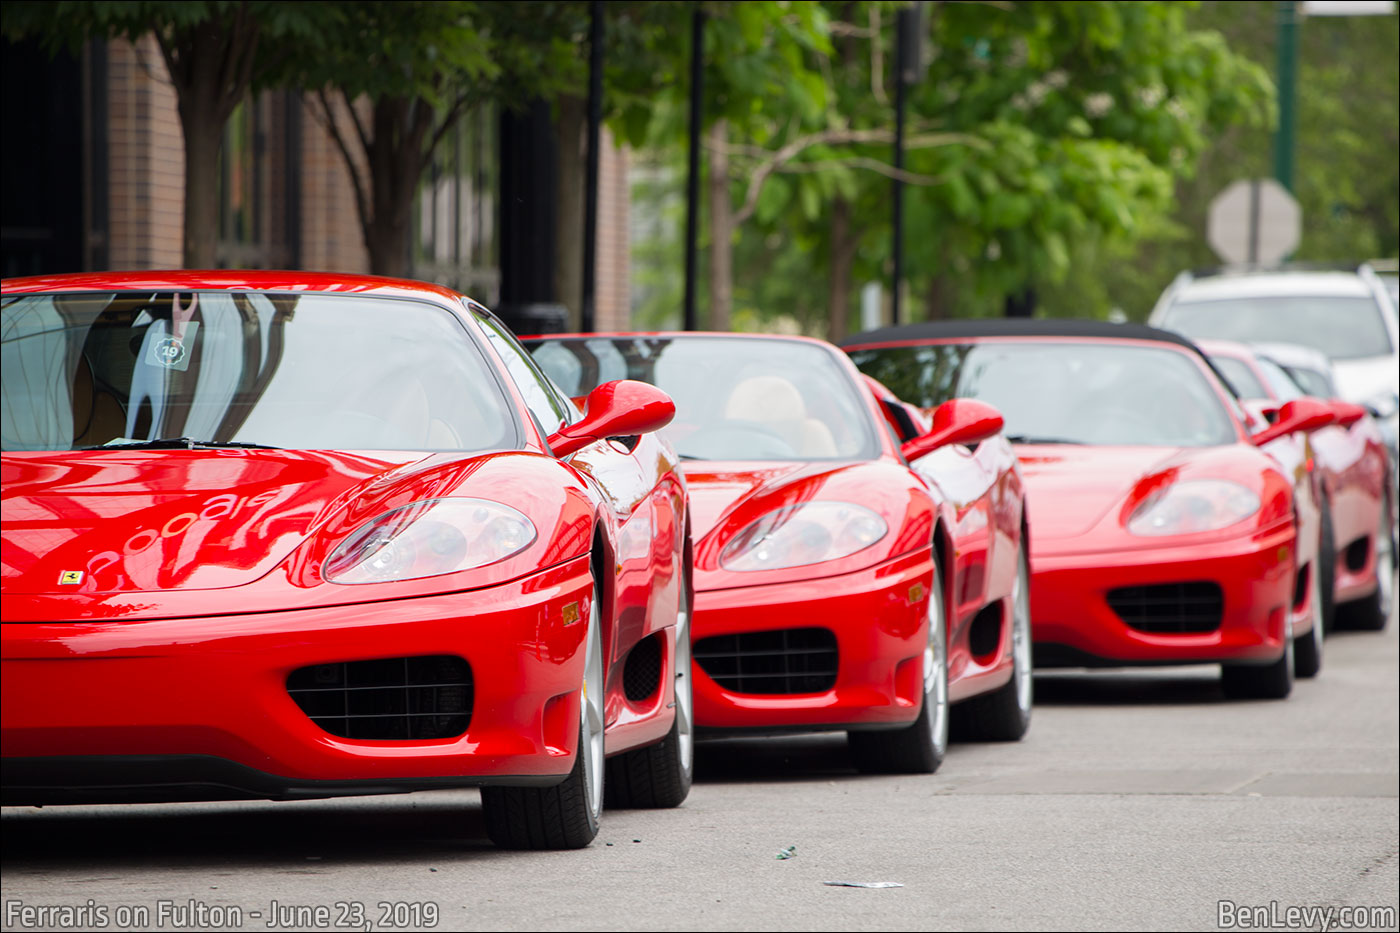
(918, 748)
(1369, 613)
(660, 775)
(1004, 715)
(566, 815)
(1260, 682)
(1307, 648)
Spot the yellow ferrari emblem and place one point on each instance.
(916, 593)
(70, 578)
(571, 613)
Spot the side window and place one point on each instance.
(548, 405)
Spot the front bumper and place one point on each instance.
(879, 617)
(1073, 624)
(108, 704)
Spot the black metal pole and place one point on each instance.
(692, 190)
(901, 27)
(590, 191)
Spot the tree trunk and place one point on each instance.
(936, 299)
(396, 159)
(569, 191)
(721, 228)
(843, 257)
(210, 66)
(203, 133)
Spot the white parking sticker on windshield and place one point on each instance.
(169, 351)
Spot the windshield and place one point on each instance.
(1064, 391)
(736, 398)
(1342, 328)
(244, 369)
(1240, 377)
(1314, 383)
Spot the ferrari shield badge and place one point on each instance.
(70, 578)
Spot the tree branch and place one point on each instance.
(459, 106)
(875, 165)
(326, 118)
(877, 59)
(787, 153)
(365, 142)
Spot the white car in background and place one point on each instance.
(1346, 314)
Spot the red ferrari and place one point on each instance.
(1356, 540)
(1161, 532)
(835, 587)
(290, 535)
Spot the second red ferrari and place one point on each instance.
(836, 588)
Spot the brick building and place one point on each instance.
(98, 184)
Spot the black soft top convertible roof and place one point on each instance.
(1028, 327)
(1015, 327)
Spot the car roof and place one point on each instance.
(1274, 285)
(667, 335)
(230, 280)
(1292, 354)
(1016, 327)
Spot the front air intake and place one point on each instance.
(793, 660)
(404, 699)
(1169, 608)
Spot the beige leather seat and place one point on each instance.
(775, 403)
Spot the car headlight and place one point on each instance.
(1192, 506)
(429, 538)
(803, 534)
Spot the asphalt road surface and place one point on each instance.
(1140, 800)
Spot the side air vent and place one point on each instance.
(642, 675)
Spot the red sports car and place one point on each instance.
(835, 587)
(1160, 531)
(1356, 535)
(295, 535)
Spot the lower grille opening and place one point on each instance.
(427, 697)
(1169, 608)
(794, 660)
(1357, 553)
(642, 675)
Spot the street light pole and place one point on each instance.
(1287, 91)
(692, 191)
(590, 196)
(901, 28)
(908, 62)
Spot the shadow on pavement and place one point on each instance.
(301, 835)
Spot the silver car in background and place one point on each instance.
(1348, 315)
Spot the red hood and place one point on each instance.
(1070, 488)
(142, 521)
(1073, 490)
(716, 487)
(180, 533)
(726, 496)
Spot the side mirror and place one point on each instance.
(1302, 414)
(956, 421)
(1348, 413)
(615, 409)
(1262, 412)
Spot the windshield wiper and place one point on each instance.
(1032, 439)
(690, 457)
(177, 443)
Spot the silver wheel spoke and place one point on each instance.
(684, 697)
(1021, 638)
(591, 710)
